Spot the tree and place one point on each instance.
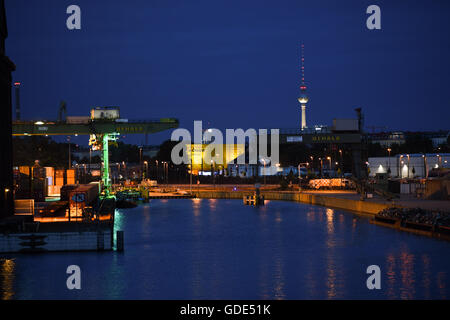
(165, 150)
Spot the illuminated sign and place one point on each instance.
(294, 139)
(326, 138)
(123, 129)
(323, 138)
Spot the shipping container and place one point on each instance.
(49, 172)
(59, 173)
(71, 177)
(65, 191)
(24, 170)
(53, 191)
(82, 196)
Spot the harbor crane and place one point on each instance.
(102, 126)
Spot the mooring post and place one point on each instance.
(119, 241)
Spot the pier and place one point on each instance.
(345, 200)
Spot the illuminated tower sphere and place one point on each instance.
(303, 99)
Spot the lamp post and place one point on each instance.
(342, 164)
(167, 174)
(329, 159)
(146, 169)
(425, 166)
(389, 160)
(164, 172)
(321, 167)
(408, 164)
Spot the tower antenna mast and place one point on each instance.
(303, 99)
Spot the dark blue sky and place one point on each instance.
(235, 63)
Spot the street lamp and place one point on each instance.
(321, 167)
(167, 173)
(146, 169)
(329, 159)
(389, 160)
(408, 164)
(264, 173)
(164, 172)
(425, 166)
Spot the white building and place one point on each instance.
(408, 166)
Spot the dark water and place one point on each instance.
(221, 249)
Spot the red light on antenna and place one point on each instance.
(17, 83)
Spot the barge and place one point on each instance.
(437, 231)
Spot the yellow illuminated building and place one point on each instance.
(205, 156)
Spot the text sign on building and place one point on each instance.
(323, 138)
(294, 139)
(334, 138)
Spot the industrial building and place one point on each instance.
(408, 165)
(387, 139)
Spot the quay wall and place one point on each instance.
(366, 207)
(56, 241)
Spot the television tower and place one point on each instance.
(303, 99)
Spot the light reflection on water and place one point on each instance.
(221, 249)
(7, 279)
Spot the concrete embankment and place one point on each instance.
(367, 207)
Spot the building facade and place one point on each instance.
(408, 165)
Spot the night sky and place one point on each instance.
(234, 64)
